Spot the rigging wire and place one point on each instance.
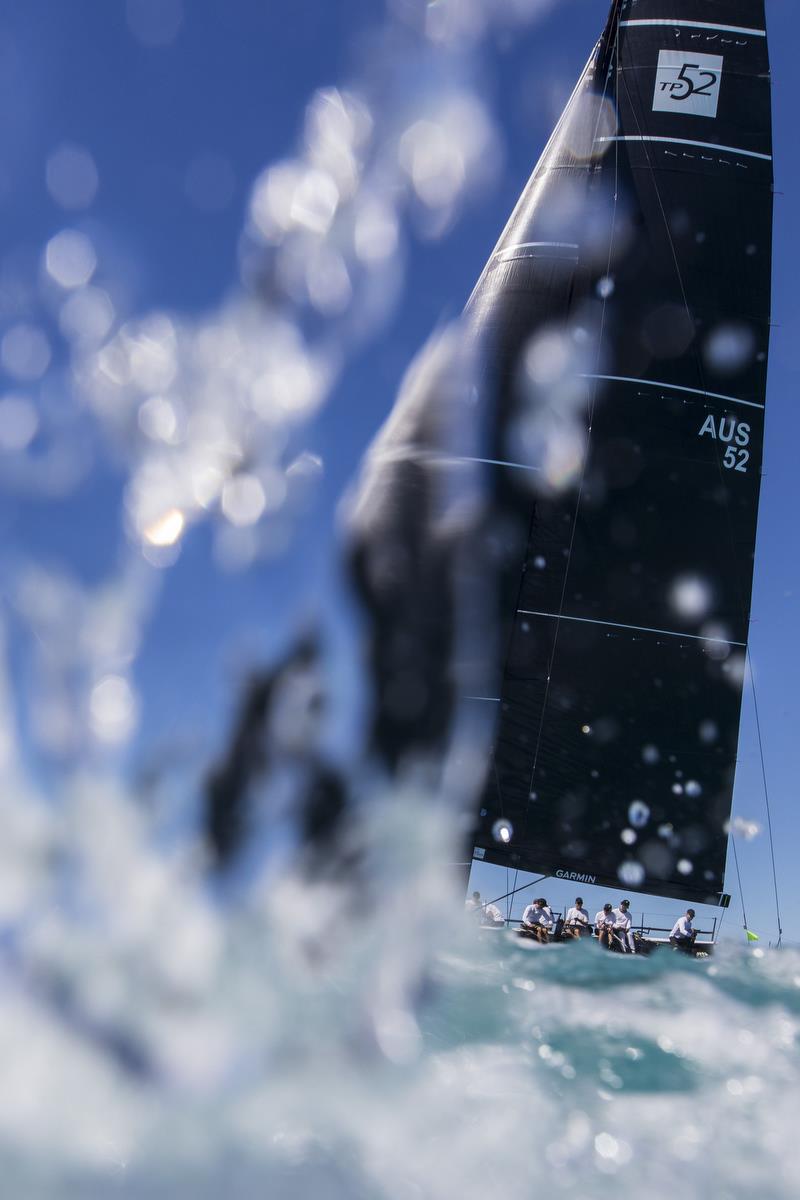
(766, 801)
(716, 936)
(521, 888)
(739, 880)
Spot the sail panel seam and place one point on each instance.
(526, 245)
(674, 387)
(695, 637)
(695, 25)
(650, 137)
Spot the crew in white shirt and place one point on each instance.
(492, 916)
(622, 927)
(538, 919)
(474, 904)
(683, 934)
(604, 925)
(577, 920)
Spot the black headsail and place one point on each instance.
(624, 316)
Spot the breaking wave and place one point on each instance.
(402, 1056)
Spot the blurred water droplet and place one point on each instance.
(18, 422)
(375, 235)
(690, 596)
(693, 788)
(70, 259)
(502, 831)
(684, 866)
(744, 828)
(729, 348)
(628, 836)
(71, 177)
(157, 419)
(638, 814)
(243, 500)
(166, 530)
(605, 287)
(631, 873)
(708, 731)
(650, 754)
(112, 709)
(547, 357)
(586, 729)
(87, 315)
(25, 352)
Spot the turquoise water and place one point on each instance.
(429, 1063)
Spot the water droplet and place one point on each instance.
(677, 789)
(70, 259)
(586, 729)
(693, 788)
(650, 755)
(729, 348)
(690, 596)
(638, 814)
(685, 867)
(540, 562)
(502, 831)
(71, 177)
(18, 422)
(628, 836)
(708, 731)
(605, 287)
(631, 873)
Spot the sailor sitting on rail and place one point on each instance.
(622, 927)
(577, 920)
(604, 925)
(538, 919)
(491, 916)
(683, 933)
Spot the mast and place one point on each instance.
(623, 320)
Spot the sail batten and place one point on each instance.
(618, 713)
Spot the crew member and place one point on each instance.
(683, 932)
(622, 927)
(491, 917)
(538, 919)
(473, 904)
(577, 920)
(604, 925)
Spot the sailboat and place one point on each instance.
(621, 329)
(643, 235)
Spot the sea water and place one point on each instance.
(306, 1038)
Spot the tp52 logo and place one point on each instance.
(687, 83)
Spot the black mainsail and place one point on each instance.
(629, 299)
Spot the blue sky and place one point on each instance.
(234, 82)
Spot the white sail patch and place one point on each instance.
(687, 82)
